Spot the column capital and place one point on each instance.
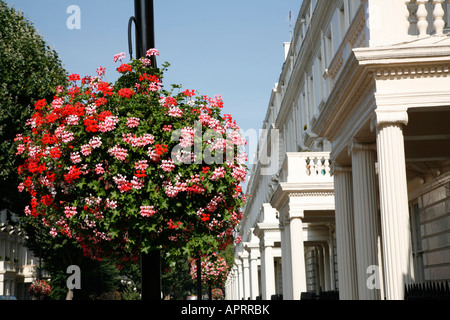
(243, 254)
(337, 168)
(385, 117)
(296, 214)
(360, 146)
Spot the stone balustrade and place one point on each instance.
(306, 167)
(425, 17)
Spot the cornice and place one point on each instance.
(286, 190)
(366, 66)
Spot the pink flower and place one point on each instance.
(154, 86)
(66, 136)
(101, 71)
(20, 149)
(167, 165)
(239, 173)
(53, 232)
(145, 62)
(175, 112)
(119, 56)
(137, 183)
(218, 173)
(111, 204)
(132, 122)
(135, 141)
(95, 142)
(122, 183)
(70, 211)
(152, 52)
(75, 157)
(109, 124)
(141, 165)
(72, 120)
(147, 211)
(99, 169)
(187, 139)
(86, 150)
(118, 153)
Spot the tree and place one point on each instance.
(29, 69)
(131, 167)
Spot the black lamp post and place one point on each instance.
(145, 27)
(145, 39)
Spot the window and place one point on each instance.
(416, 243)
(353, 8)
(328, 48)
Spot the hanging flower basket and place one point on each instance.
(39, 289)
(217, 293)
(130, 167)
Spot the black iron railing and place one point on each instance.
(323, 295)
(428, 291)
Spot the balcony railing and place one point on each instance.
(308, 167)
(7, 266)
(426, 17)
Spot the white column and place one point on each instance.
(267, 271)
(331, 243)
(240, 279)
(252, 248)
(286, 260)
(321, 267)
(394, 202)
(326, 267)
(2, 284)
(345, 233)
(365, 216)
(236, 283)
(298, 274)
(246, 274)
(254, 280)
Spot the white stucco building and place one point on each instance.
(17, 263)
(351, 187)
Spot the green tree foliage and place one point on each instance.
(29, 69)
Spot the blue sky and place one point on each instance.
(233, 48)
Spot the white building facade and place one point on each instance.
(17, 263)
(351, 184)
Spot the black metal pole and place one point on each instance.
(199, 278)
(145, 22)
(151, 275)
(145, 39)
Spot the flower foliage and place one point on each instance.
(39, 289)
(129, 167)
(214, 269)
